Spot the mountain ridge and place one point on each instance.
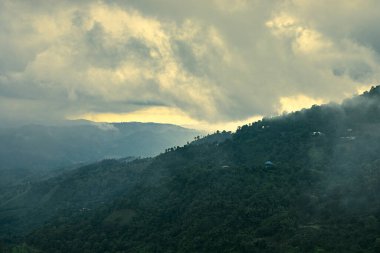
(34, 150)
(321, 195)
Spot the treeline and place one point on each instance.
(321, 195)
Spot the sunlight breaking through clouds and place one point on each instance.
(216, 61)
(297, 102)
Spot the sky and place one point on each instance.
(208, 65)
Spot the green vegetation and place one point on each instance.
(321, 194)
(25, 207)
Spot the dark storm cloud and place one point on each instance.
(214, 60)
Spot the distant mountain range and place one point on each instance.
(36, 149)
(319, 192)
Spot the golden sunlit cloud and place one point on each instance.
(228, 126)
(298, 102)
(152, 114)
(305, 40)
(165, 115)
(362, 89)
(216, 63)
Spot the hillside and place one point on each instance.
(319, 193)
(29, 205)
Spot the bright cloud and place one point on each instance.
(297, 102)
(205, 64)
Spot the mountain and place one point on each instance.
(304, 182)
(27, 206)
(32, 151)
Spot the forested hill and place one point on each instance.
(304, 182)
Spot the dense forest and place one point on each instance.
(307, 181)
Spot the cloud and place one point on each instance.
(161, 114)
(215, 62)
(294, 103)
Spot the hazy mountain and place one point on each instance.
(26, 206)
(319, 193)
(36, 149)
